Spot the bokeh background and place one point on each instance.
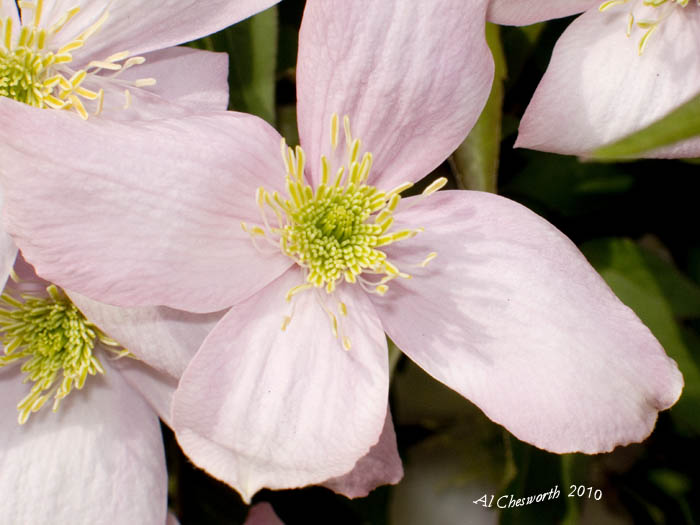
(637, 224)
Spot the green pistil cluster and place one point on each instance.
(54, 338)
(334, 231)
(22, 75)
(329, 233)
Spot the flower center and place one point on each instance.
(660, 11)
(335, 232)
(32, 73)
(53, 337)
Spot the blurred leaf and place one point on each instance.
(566, 185)
(646, 269)
(444, 476)
(252, 48)
(519, 44)
(537, 472)
(682, 123)
(670, 481)
(652, 288)
(418, 399)
(476, 160)
(287, 123)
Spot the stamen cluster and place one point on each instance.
(53, 337)
(334, 231)
(33, 74)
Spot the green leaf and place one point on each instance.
(567, 186)
(476, 160)
(536, 472)
(252, 48)
(652, 288)
(682, 123)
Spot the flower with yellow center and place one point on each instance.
(54, 341)
(106, 433)
(335, 232)
(104, 57)
(510, 314)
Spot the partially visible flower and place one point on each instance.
(617, 68)
(99, 456)
(102, 56)
(290, 387)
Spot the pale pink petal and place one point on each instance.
(8, 9)
(261, 407)
(163, 338)
(159, 204)
(524, 12)
(139, 28)
(172, 520)
(8, 252)
(262, 514)
(381, 466)
(412, 76)
(189, 77)
(157, 388)
(511, 315)
(597, 89)
(99, 457)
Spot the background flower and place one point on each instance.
(599, 87)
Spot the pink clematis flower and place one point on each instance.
(617, 68)
(317, 260)
(115, 58)
(85, 57)
(100, 455)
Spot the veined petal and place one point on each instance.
(163, 338)
(381, 466)
(524, 12)
(139, 28)
(159, 204)
(412, 76)
(157, 388)
(606, 90)
(189, 77)
(261, 407)
(99, 457)
(511, 315)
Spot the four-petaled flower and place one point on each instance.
(318, 255)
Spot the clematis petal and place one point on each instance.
(189, 77)
(162, 205)
(606, 90)
(155, 387)
(187, 81)
(524, 12)
(163, 338)
(99, 457)
(8, 9)
(412, 76)
(512, 316)
(139, 28)
(8, 254)
(381, 466)
(262, 514)
(261, 407)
